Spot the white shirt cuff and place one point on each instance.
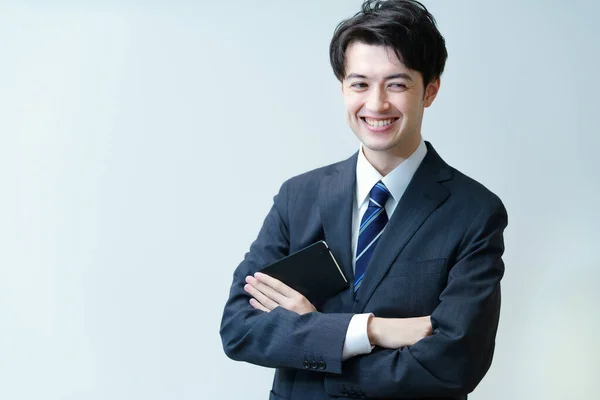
(357, 338)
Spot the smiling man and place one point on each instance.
(420, 241)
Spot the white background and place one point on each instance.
(123, 124)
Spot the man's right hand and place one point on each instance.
(394, 333)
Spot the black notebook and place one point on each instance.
(312, 271)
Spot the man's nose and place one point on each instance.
(377, 100)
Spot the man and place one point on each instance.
(420, 241)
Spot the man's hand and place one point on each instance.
(394, 333)
(268, 293)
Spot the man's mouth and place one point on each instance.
(376, 123)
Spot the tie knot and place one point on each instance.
(378, 195)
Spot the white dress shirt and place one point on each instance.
(357, 340)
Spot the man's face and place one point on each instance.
(384, 100)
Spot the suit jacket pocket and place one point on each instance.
(405, 268)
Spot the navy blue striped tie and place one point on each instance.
(371, 228)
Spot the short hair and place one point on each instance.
(405, 26)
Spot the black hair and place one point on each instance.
(405, 26)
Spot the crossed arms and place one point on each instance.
(281, 330)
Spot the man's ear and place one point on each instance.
(431, 91)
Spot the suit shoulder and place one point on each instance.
(313, 177)
(473, 192)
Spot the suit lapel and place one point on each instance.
(336, 196)
(423, 195)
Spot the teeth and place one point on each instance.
(377, 123)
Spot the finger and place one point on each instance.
(254, 303)
(267, 290)
(264, 300)
(276, 284)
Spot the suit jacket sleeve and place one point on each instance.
(280, 338)
(453, 360)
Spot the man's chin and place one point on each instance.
(377, 145)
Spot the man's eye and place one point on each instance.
(398, 85)
(359, 85)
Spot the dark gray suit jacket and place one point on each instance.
(439, 255)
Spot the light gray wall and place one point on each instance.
(121, 123)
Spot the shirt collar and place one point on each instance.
(396, 181)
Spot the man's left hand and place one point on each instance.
(268, 293)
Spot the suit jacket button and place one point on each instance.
(313, 364)
(322, 365)
(306, 364)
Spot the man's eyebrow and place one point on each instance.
(355, 75)
(399, 76)
(387, 78)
